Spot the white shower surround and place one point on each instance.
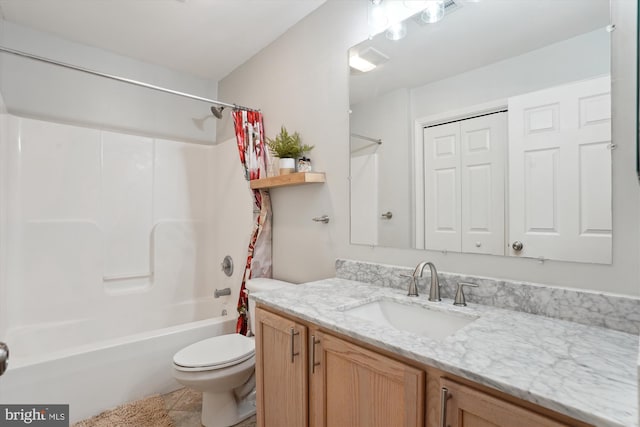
(105, 248)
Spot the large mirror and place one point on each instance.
(486, 132)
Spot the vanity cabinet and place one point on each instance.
(353, 386)
(281, 364)
(308, 377)
(350, 385)
(468, 407)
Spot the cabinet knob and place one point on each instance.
(517, 246)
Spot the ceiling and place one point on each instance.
(205, 38)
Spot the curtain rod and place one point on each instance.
(122, 79)
(368, 138)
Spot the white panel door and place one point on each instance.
(364, 199)
(442, 187)
(560, 172)
(482, 143)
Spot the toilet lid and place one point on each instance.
(220, 351)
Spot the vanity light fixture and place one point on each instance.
(397, 31)
(433, 12)
(377, 17)
(415, 5)
(360, 64)
(384, 14)
(388, 15)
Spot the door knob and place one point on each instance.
(517, 246)
(387, 215)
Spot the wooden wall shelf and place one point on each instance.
(297, 178)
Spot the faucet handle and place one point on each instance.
(413, 287)
(459, 298)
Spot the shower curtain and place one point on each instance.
(254, 158)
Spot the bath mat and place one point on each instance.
(149, 412)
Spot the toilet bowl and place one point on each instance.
(223, 369)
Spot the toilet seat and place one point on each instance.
(215, 353)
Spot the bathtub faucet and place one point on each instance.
(220, 292)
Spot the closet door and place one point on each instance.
(442, 187)
(483, 145)
(464, 165)
(560, 172)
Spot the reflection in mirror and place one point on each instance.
(487, 132)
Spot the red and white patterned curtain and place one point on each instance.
(254, 157)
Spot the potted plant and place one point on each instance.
(287, 147)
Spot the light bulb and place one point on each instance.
(378, 19)
(397, 31)
(415, 5)
(433, 12)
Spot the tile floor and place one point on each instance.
(184, 409)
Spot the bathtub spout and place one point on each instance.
(220, 292)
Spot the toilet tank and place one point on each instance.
(260, 284)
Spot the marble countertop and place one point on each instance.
(586, 372)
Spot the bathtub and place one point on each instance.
(102, 374)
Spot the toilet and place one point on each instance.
(223, 368)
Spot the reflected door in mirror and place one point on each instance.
(464, 185)
(560, 172)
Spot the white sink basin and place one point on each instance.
(436, 324)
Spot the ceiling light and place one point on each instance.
(360, 64)
(433, 12)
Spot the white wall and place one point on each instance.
(39, 90)
(301, 80)
(578, 58)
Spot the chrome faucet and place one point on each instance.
(434, 289)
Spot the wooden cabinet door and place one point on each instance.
(281, 371)
(466, 407)
(355, 387)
